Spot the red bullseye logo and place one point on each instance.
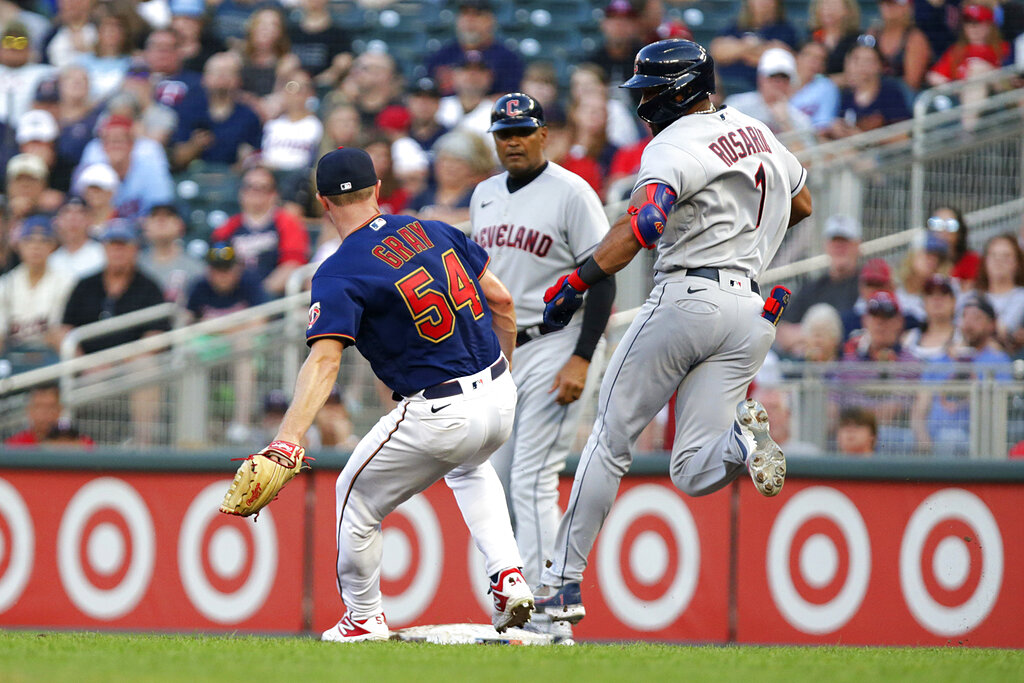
(412, 562)
(819, 560)
(649, 558)
(227, 564)
(17, 546)
(951, 562)
(106, 548)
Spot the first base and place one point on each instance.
(465, 634)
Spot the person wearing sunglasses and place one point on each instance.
(21, 76)
(947, 223)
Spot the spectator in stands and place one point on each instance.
(868, 100)
(137, 101)
(231, 17)
(978, 50)
(837, 287)
(589, 80)
(1001, 280)
(267, 239)
(410, 161)
(165, 259)
(72, 34)
(177, 88)
(27, 190)
(117, 289)
(590, 153)
(18, 77)
(32, 297)
(462, 159)
(275, 405)
(777, 403)
(290, 142)
(770, 102)
(140, 163)
(42, 413)
(938, 19)
(836, 25)
(948, 223)
(469, 108)
(938, 335)
(196, 41)
(818, 96)
(36, 24)
(474, 32)
(875, 276)
(622, 35)
(540, 81)
(323, 48)
(904, 47)
(927, 256)
(108, 61)
(229, 131)
(394, 198)
(37, 135)
(372, 83)
(78, 255)
(267, 59)
(423, 103)
(623, 170)
(821, 334)
(655, 25)
(858, 432)
(97, 184)
(761, 25)
(227, 287)
(342, 128)
(942, 421)
(881, 329)
(76, 114)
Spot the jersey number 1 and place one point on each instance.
(432, 312)
(760, 181)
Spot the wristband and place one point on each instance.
(589, 273)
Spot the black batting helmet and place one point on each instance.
(516, 110)
(682, 69)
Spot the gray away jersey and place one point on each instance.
(537, 233)
(734, 182)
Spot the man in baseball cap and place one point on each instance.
(344, 171)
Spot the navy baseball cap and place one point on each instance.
(120, 230)
(344, 170)
(37, 225)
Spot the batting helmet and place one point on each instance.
(516, 110)
(682, 69)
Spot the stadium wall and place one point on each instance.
(852, 552)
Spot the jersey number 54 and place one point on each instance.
(433, 309)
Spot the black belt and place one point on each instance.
(531, 333)
(712, 274)
(454, 388)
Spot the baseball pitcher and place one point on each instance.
(715, 195)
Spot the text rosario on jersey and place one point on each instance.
(395, 252)
(739, 144)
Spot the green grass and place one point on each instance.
(83, 657)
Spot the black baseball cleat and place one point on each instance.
(765, 460)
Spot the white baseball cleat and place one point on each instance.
(513, 600)
(765, 460)
(350, 630)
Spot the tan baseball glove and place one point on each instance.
(261, 477)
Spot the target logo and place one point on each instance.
(227, 565)
(17, 545)
(819, 560)
(413, 560)
(951, 562)
(106, 548)
(649, 558)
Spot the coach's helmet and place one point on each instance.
(679, 73)
(516, 110)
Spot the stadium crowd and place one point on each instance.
(110, 108)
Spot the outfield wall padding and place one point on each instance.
(869, 552)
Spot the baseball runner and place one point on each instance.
(417, 300)
(536, 221)
(715, 194)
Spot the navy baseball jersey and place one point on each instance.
(407, 294)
